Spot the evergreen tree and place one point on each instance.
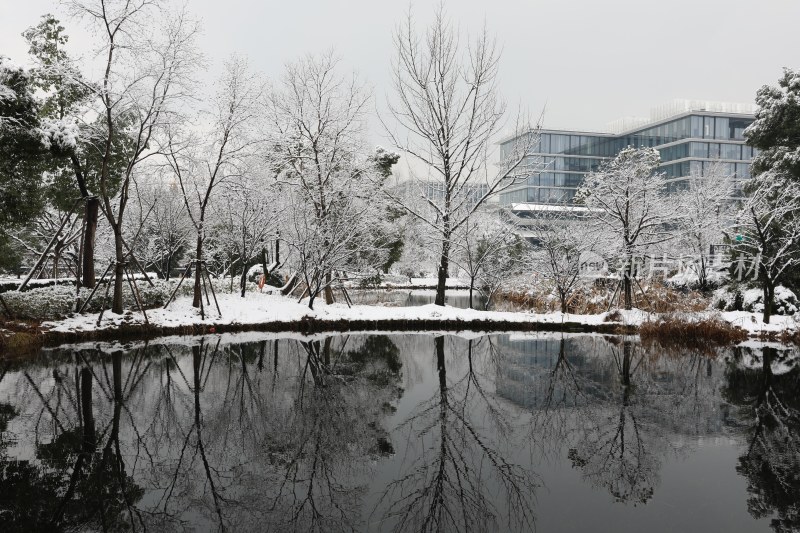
(21, 155)
(776, 134)
(66, 93)
(776, 129)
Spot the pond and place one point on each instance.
(415, 297)
(373, 432)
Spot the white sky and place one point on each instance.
(588, 61)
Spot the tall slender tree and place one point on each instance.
(627, 199)
(146, 73)
(446, 113)
(317, 118)
(204, 162)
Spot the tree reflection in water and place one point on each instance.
(292, 435)
(80, 476)
(216, 437)
(615, 453)
(616, 406)
(453, 480)
(770, 406)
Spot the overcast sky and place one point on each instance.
(588, 61)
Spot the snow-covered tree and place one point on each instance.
(769, 225)
(317, 121)
(707, 216)
(627, 198)
(244, 220)
(67, 132)
(447, 113)
(776, 129)
(148, 60)
(20, 153)
(219, 150)
(485, 251)
(775, 134)
(163, 230)
(564, 242)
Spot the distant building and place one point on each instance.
(690, 136)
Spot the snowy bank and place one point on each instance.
(267, 312)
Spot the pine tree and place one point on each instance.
(776, 129)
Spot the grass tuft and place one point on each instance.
(677, 331)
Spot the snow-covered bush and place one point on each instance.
(58, 301)
(736, 298)
(728, 298)
(43, 303)
(688, 278)
(154, 296)
(255, 272)
(12, 284)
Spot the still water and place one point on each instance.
(368, 432)
(412, 298)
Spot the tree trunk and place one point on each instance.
(769, 297)
(243, 278)
(56, 259)
(328, 289)
(625, 370)
(441, 283)
(440, 365)
(119, 272)
(91, 213)
(471, 285)
(326, 351)
(627, 290)
(563, 298)
(86, 410)
(197, 269)
(312, 294)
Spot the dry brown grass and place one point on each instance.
(674, 330)
(790, 337)
(19, 337)
(655, 298)
(659, 298)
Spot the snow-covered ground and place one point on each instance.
(753, 323)
(259, 308)
(266, 308)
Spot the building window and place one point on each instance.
(736, 127)
(731, 151)
(708, 127)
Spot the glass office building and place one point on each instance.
(690, 136)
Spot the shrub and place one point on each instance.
(675, 330)
(735, 298)
(44, 303)
(371, 282)
(11, 285)
(58, 301)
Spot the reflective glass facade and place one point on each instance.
(689, 144)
